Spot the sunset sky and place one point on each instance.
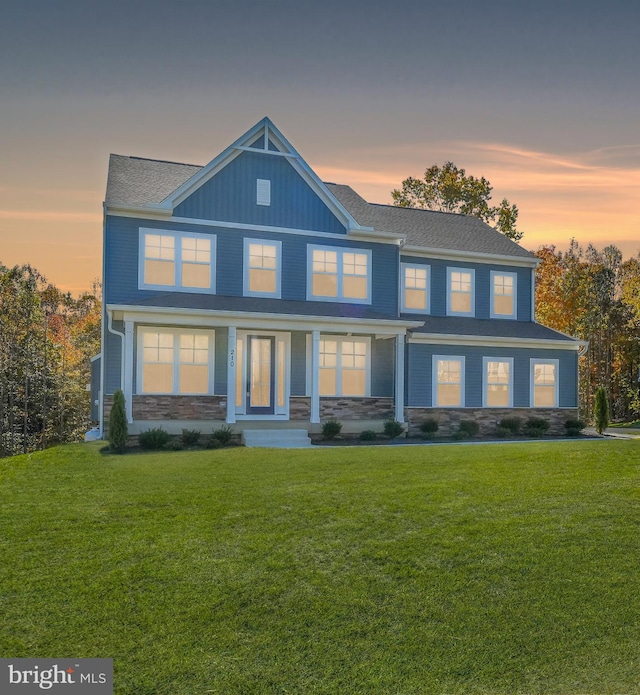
(541, 98)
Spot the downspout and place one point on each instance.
(111, 329)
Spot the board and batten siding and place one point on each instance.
(230, 196)
(420, 376)
(438, 285)
(122, 253)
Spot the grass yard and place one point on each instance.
(508, 568)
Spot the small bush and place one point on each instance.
(223, 435)
(213, 443)
(601, 410)
(503, 432)
(536, 427)
(190, 437)
(118, 424)
(429, 426)
(331, 429)
(469, 427)
(368, 436)
(460, 435)
(513, 424)
(175, 445)
(574, 427)
(393, 429)
(153, 439)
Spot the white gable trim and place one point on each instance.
(475, 257)
(242, 145)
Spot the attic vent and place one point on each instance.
(264, 192)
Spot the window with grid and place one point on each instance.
(262, 268)
(503, 295)
(415, 288)
(449, 381)
(343, 367)
(342, 275)
(460, 294)
(544, 381)
(498, 380)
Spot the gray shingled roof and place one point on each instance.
(136, 182)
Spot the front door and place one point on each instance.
(260, 374)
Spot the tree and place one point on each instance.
(601, 410)
(118, 424)
(450, 189)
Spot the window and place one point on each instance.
(262, 268)
(460, 294)
(344, 366)
(503, 295)
(544, 383)
(448, 381)
(175, 361)
(263, 192)
(340, 275)
(415, 288)
(176, 261)
(498, 382)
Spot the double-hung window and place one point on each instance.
(460, 292)
(344, 366)
(544, 383)
(498, 382)
(175, 361)
(339, 275)
(414, 288)
(179, 261)
(503, 295)
(448, 381)
(262, 263)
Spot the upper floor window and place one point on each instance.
(448, 381)
(176, 361)
(503, 295)
(344, 366)
(340, 275)
(460, 291)
(176, 261)
(544, 383)
(415, 288)
(262, 262)
(498, 382)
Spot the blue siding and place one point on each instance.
(121, 265)
(230, 196)
(220, 361)
(419, 367)
(298, 363)
(482, 287)
(382, 367)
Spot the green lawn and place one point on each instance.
(508, 568)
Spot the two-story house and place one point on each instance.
(249, 292)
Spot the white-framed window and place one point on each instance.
(175, 361)
(263, 192)
(544, 383)
(504, 289)
(345, 366)
(448, 381)
(262, 268)
(179, 261)
(338, 275)
(497, 382)
(415, 288)
(461, 291)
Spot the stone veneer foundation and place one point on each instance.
(488, 418)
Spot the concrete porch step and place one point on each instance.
(276, 439)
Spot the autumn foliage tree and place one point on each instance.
(448, 188)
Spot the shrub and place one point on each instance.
(190, 437)
(574, 427)
(601, 410)
(368, 436)
(536, 426)
(512, 424)
(153, 439)
(175, 445)
(429, 426)
(503, 432)
(469, 427)
(223, 434)
(393, 429)
(331, 429)
(118, 424)
(213, 443)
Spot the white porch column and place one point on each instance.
(232, 362)
(399, 390)
(315, 376)
(128, 369)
